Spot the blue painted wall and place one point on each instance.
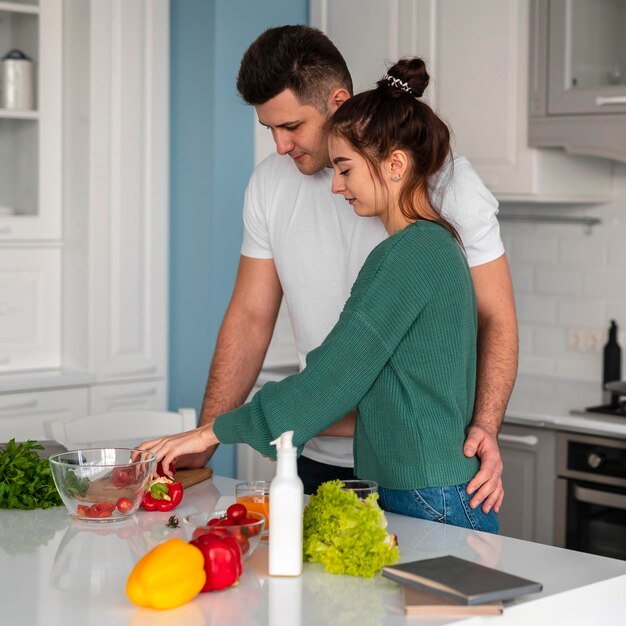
(212, 157)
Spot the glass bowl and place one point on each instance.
(362, 488)
(102, 484)
(247, 535)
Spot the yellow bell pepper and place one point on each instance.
(168, 576)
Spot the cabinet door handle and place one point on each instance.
(135, 394)
(139, 372)
(592, 496)
(607, 100)
(29, 404)
(525, 440)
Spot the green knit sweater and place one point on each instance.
(403, 352)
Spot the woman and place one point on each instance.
(404, 348)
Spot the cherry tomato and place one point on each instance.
(103, 506)
(243, 542)
(124, 505)
(252, 530)
(82, 509)
(199, 532)
(94, 512)
(236, 513)
(120, 476)
(220, 532)
(213, 521)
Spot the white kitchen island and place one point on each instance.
(56, 571)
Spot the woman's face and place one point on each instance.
(354, 180)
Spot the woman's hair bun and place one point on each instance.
(411, 71)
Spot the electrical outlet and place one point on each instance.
(575, 340)
(593, 340)
(585, 340)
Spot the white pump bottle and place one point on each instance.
(286, 502)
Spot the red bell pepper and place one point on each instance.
(223, 561)
(162, 495)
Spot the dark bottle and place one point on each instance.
(612, 366)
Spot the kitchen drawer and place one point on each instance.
(529, 479)
(30, 309)
(145, 395)
(22, 415)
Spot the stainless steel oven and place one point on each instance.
(591, 495)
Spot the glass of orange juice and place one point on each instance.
(255, 496)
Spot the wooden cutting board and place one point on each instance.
(192, 476)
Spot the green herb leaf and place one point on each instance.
(25, 479)
(76, 486)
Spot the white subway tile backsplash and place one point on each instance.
(581, 312)
(568, 280)
(525, 339)
(536, 365)
(558, 281)
(523, 278)
(604, 282)
(589, 250)
(536, 250)
(549, 341)
(617, 250)
(585, 367)
(535, 309)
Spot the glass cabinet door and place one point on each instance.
(587, 51)
(30, 119)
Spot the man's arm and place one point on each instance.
(241, 345)
(496, 372)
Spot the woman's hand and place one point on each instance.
(168, 449)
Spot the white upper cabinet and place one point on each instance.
(477, 54)
(30, 132)
(578, 76)
(115, 298)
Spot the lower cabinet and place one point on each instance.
(529, 478)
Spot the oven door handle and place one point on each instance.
(525, 440)
(603, 498)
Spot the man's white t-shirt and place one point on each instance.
(319, 244)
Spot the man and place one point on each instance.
(305, 243)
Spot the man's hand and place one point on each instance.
(487, 484)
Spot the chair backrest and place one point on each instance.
(119, 428)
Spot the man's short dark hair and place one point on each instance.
(299, 58)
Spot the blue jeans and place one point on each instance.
(447, 505)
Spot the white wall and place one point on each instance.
(568, 281)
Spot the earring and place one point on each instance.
(395, 178)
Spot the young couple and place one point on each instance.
(420, 331)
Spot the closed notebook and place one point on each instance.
(459, 580)
(418, 602)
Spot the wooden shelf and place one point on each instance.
(17, 7)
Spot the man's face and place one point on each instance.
(297, 131)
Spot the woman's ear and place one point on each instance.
(397, 164)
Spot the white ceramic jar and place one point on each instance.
(17, 81)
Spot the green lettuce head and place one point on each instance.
(347, 535)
